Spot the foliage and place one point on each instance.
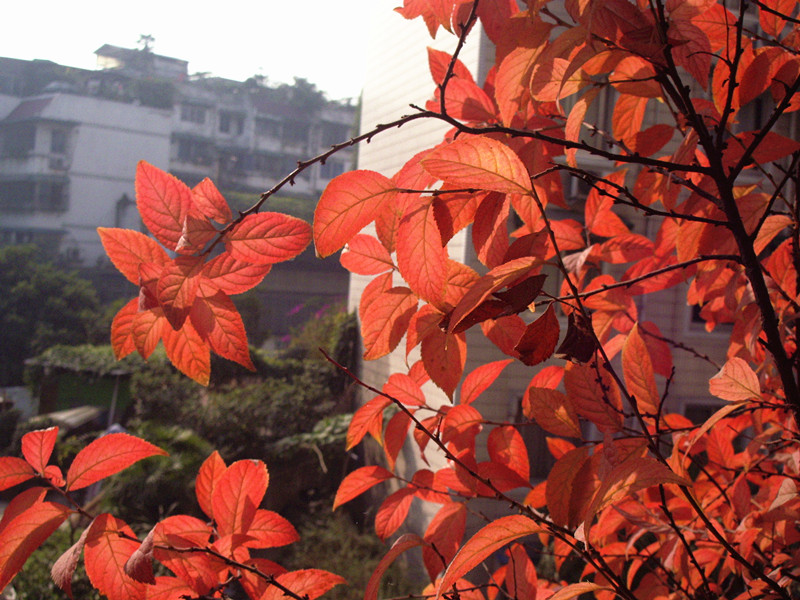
(41, 306)
(640, 502)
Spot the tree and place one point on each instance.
(640, 503)
(41, 306)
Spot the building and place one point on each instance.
(70, 140)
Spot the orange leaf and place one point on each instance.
(219, 323)
(570, 487)
(421, 256)
(24, 533)
(37, 446)
(14, 471)
(169, 588)
(392, 512)
(207, 477)
(479, 162)
(177, 288)
(122, 332)
(210, 202)
(163, 202)
(358, 482)
(631, 475)
(593, 400)
(63, 569)
(227, 274)
(106, 456)
(105, 555)
(506, 447)
(403, 543)
(628, 116)
(483, 544)
(552, 410)
(187, 351)
(445, 532)
(237, 494)
(735, 382)
(270, 530)
(349, 203)
(307, 583)
(444, 355)
(385, 320)
(147, 329)
(127, 249)
(539, 341)
(268, 238)
(403, 388)
(480, 379)
(367, 419)
(365, 255)
(637, 367)
(490, 230)
(573, 590)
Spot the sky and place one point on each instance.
(319, 40)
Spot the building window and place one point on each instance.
(31, 196)
(295, 133)
(19, 140)
(232, 123)
(331, 169)
(268, 127)
(334, 134)
(197, 152)
(191, 113)
(58, 141)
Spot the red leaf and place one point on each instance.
(270, 530)
(385, 320)
(539, 341)
(237, 495)
(37, 446)
(393, 512)
(479, 162)
(395, 436)
(105, 555)
(147, 329)
(628, 116)
(139, 566)
(127, 249)
(358, 482)
(268, 238)
(445, 532)
(210, 202)
(207, 477)
(63, 569)
(122, 333)
(490, 231)
(403, 388)
(493, 281)
(593, 400)
(632, 474)
(773, 146)
(26, 532)
(573, 590)
(403, 543)
(506, 447)
(163, 202)
(421, 257)
(444, 356)
(570, 487)
(349, 203)
(106, 456)
(169, 588)
(365, 255)
(307, 583)
(480, 379)
(483, 544)
(552, 410)
(177, 288)
(187, 351)
(227, 274)
(219, 323)
(637, 367)
(735, 382)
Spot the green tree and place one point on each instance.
(41, 305)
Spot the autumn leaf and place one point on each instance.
(480, 379)
(163, 202)
(637, 368)
(365, 255)
(210, 202)
(14, 471)
(485, 542)
(105, 554)
(37, 446)
(268, 238)
(217, 321)
(735, 382)
(539, 341)
(127, 249)
(392, 512)
(307, 583)
(358, 482)
(403, 544)
(237, 494)
(106, 456)
(349, 203)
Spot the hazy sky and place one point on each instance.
(320, 40)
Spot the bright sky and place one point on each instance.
(320, 40)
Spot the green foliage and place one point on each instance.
(41, 306)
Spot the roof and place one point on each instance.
(29, 109)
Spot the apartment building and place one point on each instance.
(70, 140)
